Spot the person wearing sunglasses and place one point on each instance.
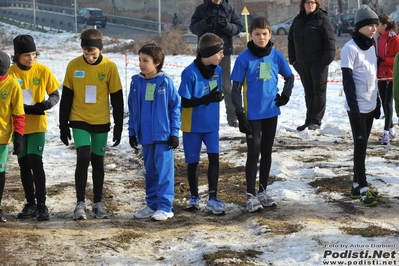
(311, 48)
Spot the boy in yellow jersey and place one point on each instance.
(90, 81)
(12, 119)
(36, 81)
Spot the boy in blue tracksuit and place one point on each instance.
(200, 89)
(154, 123)
(256, 70)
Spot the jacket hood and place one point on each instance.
(210, 3)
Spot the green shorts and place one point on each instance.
(3, 157)
(96, 141)
(32, 144)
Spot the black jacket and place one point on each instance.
(311, 39)
(222, 12)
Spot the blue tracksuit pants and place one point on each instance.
(159, 177)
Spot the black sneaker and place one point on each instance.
(42, 212)
(302, 128)
(2, 218)
(367, 199)
(28, 211)
(355, 193)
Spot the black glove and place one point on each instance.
(210, 20)
(133, 142)
(222, 23)
(173, 142)
(41, 106)
(377, 110)
(243, 124)
(214, 96)
(356, 118)
(65, 134)
(33, 110)
(17, 143)
(379, 60)
(117, 135)
(281, 100)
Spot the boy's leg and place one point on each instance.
(3, 164)
(26, 172)
(151, 176)
(98, 147)
(211, 141)
(192, 176)
(253, 150)
(192, 147)
(164, 164)
(268, 134)
(82, 145)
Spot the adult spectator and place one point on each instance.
(311, 48)
(221, 18)
(387, 46)
(175, 21)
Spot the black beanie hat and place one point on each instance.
(24, 44)
(365, 16)
(4, 63)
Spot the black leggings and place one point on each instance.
(360, 134)
(260, 142)
(33, 178)
(84, 156)
(386, 94)
(213, 175)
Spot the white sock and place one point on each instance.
(355, 185)
(386, 132)
(392, 130)
(363, 189)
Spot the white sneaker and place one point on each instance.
(385, 139)
(160, 215)
(253, 203)
(80, 211)
(144, 213)
(266, 200)
(392, 136)
(99, 210)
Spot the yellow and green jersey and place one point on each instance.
(11, 105)
(91, 86)
(35, 83)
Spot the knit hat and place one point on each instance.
(24, 44)
(4, 63)
(365, 16)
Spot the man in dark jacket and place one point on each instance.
(220, 18)
(311, 48)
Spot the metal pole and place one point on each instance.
(159, 17)
(76, 18)
(34, 14)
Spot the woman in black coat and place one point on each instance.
(311, 48)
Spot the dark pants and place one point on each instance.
(33, 178)
(314, 81)
(360, 134)
(84, 156)
(386, 94)
(260, 142)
